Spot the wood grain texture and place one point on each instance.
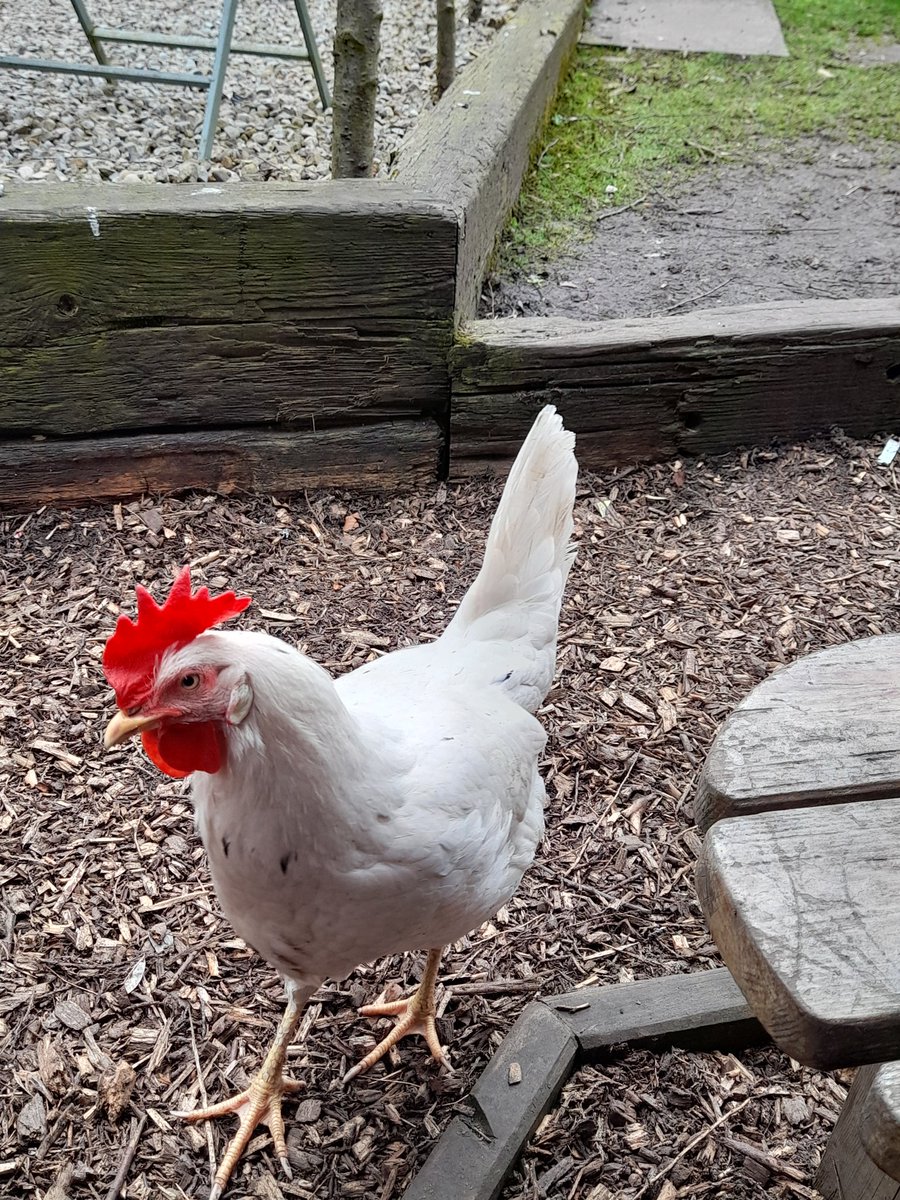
(700, 383)
(881, 1119)
(847, 1172)
(192, 376)
(705, 1009)
(474, 146)
(823, 730)
(804, 906)
(477, 1150)
(142, 307)
(389, 456)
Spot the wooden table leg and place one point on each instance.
(847, 1172)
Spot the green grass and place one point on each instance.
(627, 122)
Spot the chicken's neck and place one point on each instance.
(298, 748)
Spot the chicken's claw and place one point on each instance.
(409, 1022)
(415, 1015)
(259, 1103)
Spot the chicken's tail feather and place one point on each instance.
(515, 601)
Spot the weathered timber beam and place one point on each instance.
(239, 373)
(704, 1010)
(474, 146)
(88, 257)
(519, 1084)
(135, 307)
(392, 455)
(702, 383)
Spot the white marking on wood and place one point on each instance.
(207, 191)
(93, 221)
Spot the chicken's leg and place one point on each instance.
(261, 1101)
(415, 1015)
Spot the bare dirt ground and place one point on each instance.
(692, 583)
(821, 221)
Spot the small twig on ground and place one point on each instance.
(127, 1158)
(708, 150)
(545, 150)
(702, 296)
(614, 212)
(184, 898)
(494, 987)
(612, 803)
(205, 1103)
(776, 1165)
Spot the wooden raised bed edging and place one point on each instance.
(269, 337)
(473, 148)
(702, 383)
(281, 336)
(223, 337)
(550, 1040)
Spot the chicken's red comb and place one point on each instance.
(132, 653)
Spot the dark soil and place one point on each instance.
(691, 584)
(820, 222)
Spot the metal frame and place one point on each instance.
(213, 83)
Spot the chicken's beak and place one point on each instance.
(122, 727)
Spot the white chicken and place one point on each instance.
(393, 809)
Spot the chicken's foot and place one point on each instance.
(260, 1102)
(414, 1015)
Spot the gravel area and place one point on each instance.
(271, 124)
(123, 992)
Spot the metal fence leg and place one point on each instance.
(84, 20)
(312, 49)
(217, 79)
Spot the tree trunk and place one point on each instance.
(446, 44)
(357, 41)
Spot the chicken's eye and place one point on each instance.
(190, 681)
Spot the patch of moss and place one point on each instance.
(630, 121)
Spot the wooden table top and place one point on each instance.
(801, 888)
(804, 906)
(822, 730)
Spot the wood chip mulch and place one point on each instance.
(124, 995)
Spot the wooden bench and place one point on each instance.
(799, 879)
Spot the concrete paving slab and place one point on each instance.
(728, 26)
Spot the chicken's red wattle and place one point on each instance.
(179, 750)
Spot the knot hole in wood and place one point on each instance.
(67, 305)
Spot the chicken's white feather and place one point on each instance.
(397, 807)
(510, 615)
